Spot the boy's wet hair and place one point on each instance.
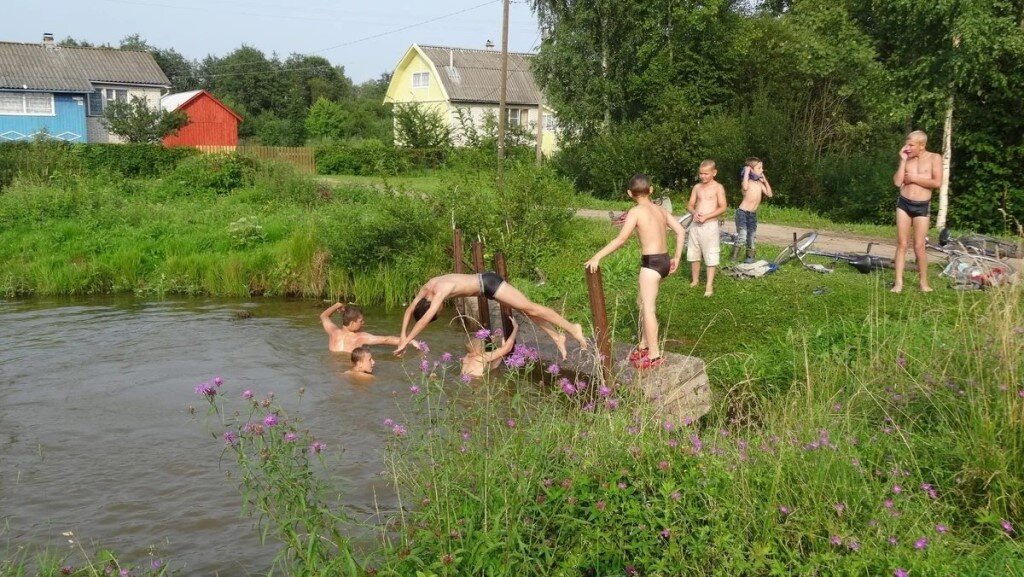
(422, 306)
(640, 184)
(752, 160)
(351, 315)
(709, 164)
(359, 354)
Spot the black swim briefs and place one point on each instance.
(914, 208)
(489, 283)
(659, 263)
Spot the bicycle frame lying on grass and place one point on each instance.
(864, 262)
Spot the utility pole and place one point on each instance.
(504, 89)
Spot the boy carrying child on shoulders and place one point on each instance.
(707, 203)
(649, 220)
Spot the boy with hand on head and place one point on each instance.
(478, 361)
(754, 184)
(649, 220)
(707, 203)
(350, 335)
(918, 174)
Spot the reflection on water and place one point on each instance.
(96, 437)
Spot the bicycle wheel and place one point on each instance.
(989, 246)
(802, 244)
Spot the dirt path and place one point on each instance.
(781, 235)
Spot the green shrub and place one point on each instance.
(210, 174)
(363, 158)
(132, 160)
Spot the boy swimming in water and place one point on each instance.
(350, 335)
(478, 360)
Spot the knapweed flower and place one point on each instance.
(1007, 526)
(892, 540)
(888, 503)
(270, 420)
(900, 572)
(663, 465)
(784, 510)
(388, 422)
(921, 543)
(447, 559)
(156, 564)
(600, 505)
(668, 425)
(446, 357)
(675, 496)
(1020, 393)
(217, 381)
(941, 529)
(466, 378)
(696, 443)
(665, 534)
(425, 366)
(896, 489)
(853, 544)
(398, 430)
(839, 507)
(604, 391)
(554, 369)
(67, 570)
(835, 540)
(482, 334)
(423, 347)
(511, 423)
(567, 387)
(465, 435)
(290, 437)
(254, 428)
(901, 360)
(316, 447)
(247, 394)
(414, 389)
(124, 573)
(230, 438)
(206, 390)
(622, 485)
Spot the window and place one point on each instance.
(26, 103)
(420, 79)
(549, 122)
(98, 100)
(517, 116)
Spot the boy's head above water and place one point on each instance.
(640, 185)
(362, 360)
(352, 318)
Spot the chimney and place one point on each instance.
(489, 44)
(47, 39)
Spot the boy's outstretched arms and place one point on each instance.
(615, 243)
(435, 306)
(506, 347)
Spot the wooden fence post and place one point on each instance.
(483, 310)
(506, 312)
(595, 288)
(457, 251)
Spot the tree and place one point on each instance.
(135, 121)
(328, 120)
(179, 70)
(420, 126)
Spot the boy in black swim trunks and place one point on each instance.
(649, 220)
(918, 174)
(429, 300)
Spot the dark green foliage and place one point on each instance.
(137, 122)
(45, 161)
(364, 157)
(421, 126)
(210, 174)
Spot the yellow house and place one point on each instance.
(461, 82)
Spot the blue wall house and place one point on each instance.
(61, 91)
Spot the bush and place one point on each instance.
(210, 174)
(363, 158)
(43, 161)
(132, 160)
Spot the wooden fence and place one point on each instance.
(300, 156)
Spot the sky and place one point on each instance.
(366, 37)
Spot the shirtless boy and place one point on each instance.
(429, 300)
(707, 203)
(919, 173)
(755, 185)
(350, 334)
(649, 220)
(362, 364)
(478, 361)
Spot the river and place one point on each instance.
(96, 436)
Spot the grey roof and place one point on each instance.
(476, 75)
(73, 69)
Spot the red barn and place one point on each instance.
(210, 121)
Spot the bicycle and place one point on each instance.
(971, 266)
(980, 244)
(864, 262)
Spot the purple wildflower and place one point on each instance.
(941, 529)
(665, 533)
(600, 505)
(445, 357)
(611, 404)
(900, 572)
(784, 510)
(316, 447)
(1020, 393)
(270, 420)
(835, 540)
(465, 435)
(217, 381)
(156, 564)
(604, 391)
(892, 540)
(425, 366)
(515, 361)
(398, 430)
(921, 543)
(1007, 526)
(247, 394)
(839, 507)
(568, 387)
(554, 369)
(901, 360)
(622, 485)
(675, 496)
(388, 422)
(663, 465)
(67, 570)
(466, 378)
(668, 425)
(896, 489)
(424, 347)
(482, 334)
(853, 544)
(696, 443)
(290, 437)
(230, 438)
(206, 390)
(414, 389)
(887, 504)
(511, 423)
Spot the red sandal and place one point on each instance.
(649, 363)
(636, 354)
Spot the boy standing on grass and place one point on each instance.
(754, 184)
(707, 203)
(650, 221)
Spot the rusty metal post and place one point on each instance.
(506, 312)
(595, 288)
(483, 311)
(457, 251)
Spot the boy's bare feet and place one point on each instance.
(694, 283)
(896, 288)
(708, 293)
(560, 345)
(577, 333)
(926, 289)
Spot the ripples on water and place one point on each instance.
(95, 435)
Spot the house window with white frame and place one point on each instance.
(420, 79)
(549, 122)
(99, 99)
(27, 103)
(514, 118)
